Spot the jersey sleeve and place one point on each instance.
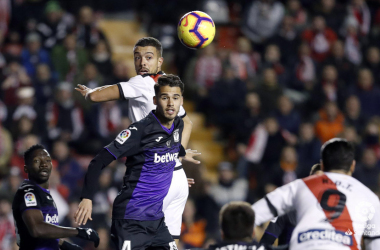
(133, 89)
(274, 229)
(276, 203)
(127, 142)
(29, 199)
(372, 230)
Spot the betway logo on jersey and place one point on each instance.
(325, 234)
(168, 157)
(51, 219)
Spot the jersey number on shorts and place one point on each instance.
(333, 202)
(126, 245)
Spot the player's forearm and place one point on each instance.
(104, 94)
(188, 126)
(50, 231)
(100, 161)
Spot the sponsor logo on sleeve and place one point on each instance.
(123, 136)
(326, 234)
(176, 135)
(30, 199)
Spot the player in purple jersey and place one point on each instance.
(151, 146)
(35, 212)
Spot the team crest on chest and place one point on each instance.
(168, 144)
(176, 135)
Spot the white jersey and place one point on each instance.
(333, 211)
(139, 90)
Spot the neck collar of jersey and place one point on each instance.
(45, 190)
(169, 131)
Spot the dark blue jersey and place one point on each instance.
(238, 245)
(31, 196)
(282, 228)
(152, 151)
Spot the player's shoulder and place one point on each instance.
(27, 188)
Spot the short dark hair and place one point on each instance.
(150, 41)
(337, 154)
(237, 220)
(168, 80)
(315, 168)
(29, 152)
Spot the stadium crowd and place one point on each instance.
(280, 79)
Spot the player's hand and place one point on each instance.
(89, 234)
(84, 212)
(189, 156)
(83, 89)
(69, 246)
(190, 181)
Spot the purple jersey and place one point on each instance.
(32, 196)
(152, 151)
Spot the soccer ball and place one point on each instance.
(196, 30)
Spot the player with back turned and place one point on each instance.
(334, 211)
(139, 91)
(35, 212)
(151, 146)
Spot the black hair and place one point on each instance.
(315, 168)
(29, 152)
(237, 220)
(337, 154)
(150, 41)
(168, 80)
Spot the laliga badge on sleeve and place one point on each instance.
(123, 136)
(30, 199)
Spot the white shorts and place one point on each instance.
(175, 201)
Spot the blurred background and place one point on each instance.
(280, 79)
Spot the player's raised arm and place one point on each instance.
(276, 203)
(38, 228)
(100, 94)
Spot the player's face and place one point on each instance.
(147, 60)
(168, 102)
(39, 167)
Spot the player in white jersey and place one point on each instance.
(334, 210)
(139, 90)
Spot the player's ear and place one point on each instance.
(160, 61)
(181, 100)
(154, 100)
(322, 167)
(352, 168)
(25, 169)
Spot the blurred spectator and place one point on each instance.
(15, 77)
(104, 236)
(193, 232)
(2, 57)
(68, 59)
(7, 229)
(12, 45)
(371, 136)
(101, 57)
(272, 59)
(304, 71)
(330, 122)
(287, 116)
(367, 92)
(340, 62)
(269, 91)
(331, 12)
(208, 68)
(88, 35)
(59, 192)
(43, 84)
(360, 11)
(320, 38)
(69, 169)
(350, 134)
(12, 181)
(33, 54)
(226, 97)
(229, 188)
(352, 45)
(64, 118)
(6, 147)
(295, 10)
(284, 171)
(244, 61)
(119, 74)
(353, 114)
(56, 26)
(372, 62)
(368, 171)
(308, 149)
(262, 20)
(287, 40)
